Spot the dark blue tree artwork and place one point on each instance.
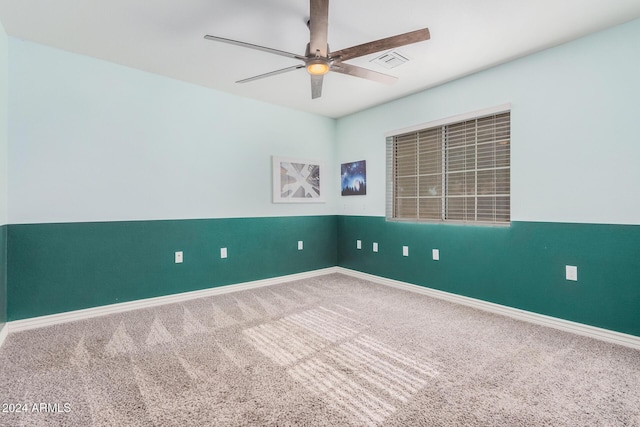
(354, 178)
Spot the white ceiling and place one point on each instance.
(166, 37)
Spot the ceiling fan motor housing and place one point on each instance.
(316, 64)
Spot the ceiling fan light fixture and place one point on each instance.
(317, 67)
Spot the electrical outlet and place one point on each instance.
(223, 252)
(571, 272)
(178, 257)
(435, 254)
(358, 244)
(375, 246)
(300, 245)
(405, 251)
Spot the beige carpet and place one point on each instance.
(328, 351)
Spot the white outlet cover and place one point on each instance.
(571, 272)
(223, 252)
(178, 257)
(435, 254)
(358, 244)
(300, 245)
(375, 246)
(405, 251)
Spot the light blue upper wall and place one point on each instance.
(4, 144)
(95, 141)
(4, 173)
(575, 130)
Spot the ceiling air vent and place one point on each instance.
(391, 59)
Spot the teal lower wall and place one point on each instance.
(3, 275)
(55, 268)
(521, 266)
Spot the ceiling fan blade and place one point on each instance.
(364, 73)
(318, 26)
(272, 73)
(382, 44)
(256, 47)
(316, 85)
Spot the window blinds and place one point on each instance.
(453, 172)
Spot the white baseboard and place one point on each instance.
(4, 331)
(71, 316)
(527, 316)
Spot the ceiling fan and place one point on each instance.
(318, 60)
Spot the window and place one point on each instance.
(458, 171)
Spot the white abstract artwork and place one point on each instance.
(297, 181)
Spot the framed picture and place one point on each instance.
(297, 181)
(353, 178)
